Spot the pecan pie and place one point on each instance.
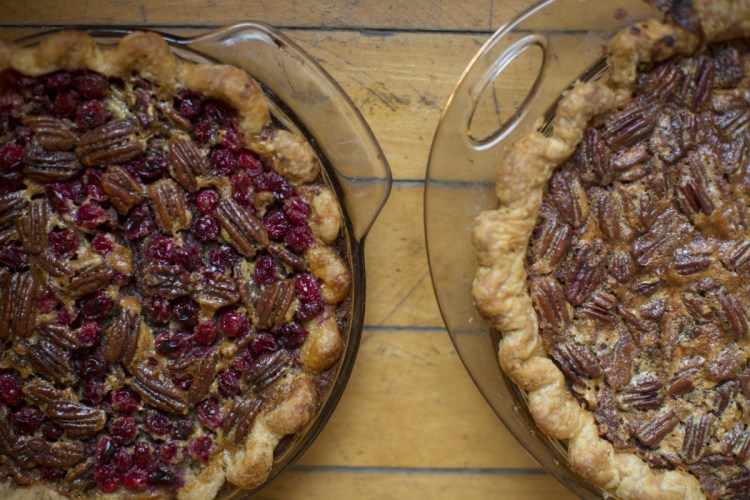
(174, 278)
(616, 265)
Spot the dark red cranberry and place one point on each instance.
(242, 188)
(297, 210)
(188, 257)
(11, 182)
(160, 250)
(66, 103)
(140, 222)
(11, 155)
(26, 420)
(234, 324)
(276, 224)
(10, 390)
(266, 270)
(95, 305)
(14, 257)
(280, 186)
(107, 479)
(10, 78)
(205, 333)
(93, 391)
(206, 200)
(182, 428)
(51, 431)
(264, 342)
(232, 140)
(105, 450)
(298, 239)
(59, 193)
(262, 182)
(201, 448)
(161, 474)
(183, 381)
(90, 215)
(250, 163)
(292, 334)
(123, 430)
(171, 453)
(172, 345)
(50, 474)
(124, 400)
(47, 301)
(229, 382)
(92, 180)
(308, 310)
(206, 228)
(66, 316)
(120, 278)
(90, 115)
(122, 460)
(222, 258)
(93, 367)
(218, 111)
(143, 455)
(244, 360)
(209, 413)
(157, 425)
(185, 311)
(307, 287)
(58, 80)
(203, 131)
(190, 104)
(11, 104)
(224, 161)
(90, 334)
(102, 244)
(63, 243)
(91, 85)
(157, 309)
(136, 480)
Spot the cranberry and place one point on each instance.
(50, 474)
(26, 420)
(157, 425)
(58, 80)
(308, 310)
(105, 450)
(93, 367)
(276, 224)
(222, 258)
(171, 453)
(264, 342)
(93, 391)
(11, 182)
(190, 105)
(136, 480)
(232, 141)
(122, 460)
(244, 360)
(143, 455)
(203, 131)
(183, 381)
(242, 188)
(201, 448)
(59, 193)
(173, 346)
(10, 390)
(209, 413)
(161, 474)
(65, 103)
(182, 428)
(14, 257)
(307, 287)
(140, 222)
(90, 215)
(205, 229)
(123, 430)
(188, 257)
(266, 270)
(102, 244)
(280, 186)
(47, 301)
(107, 479)
(250, 163)
(297, 210)
(229, 382)
(218, 112)
(90, 115)
(63, 243)
(206, 200)
(205, 333)
(91, 85)
(160, 250)
(90, 334)
(224, 161)
(51, 431)
(185, 311)
(66, 316)
(11, 104)
(234, 324)
(92, 180)
(11, 78)
(298, 239)
(292, 334)
(95, 305)
(157, 309)
(124, 400)
(11, 155)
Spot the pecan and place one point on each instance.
(80, 470)
(12, 206)
(240, 417)
(686, 263)
(576, 361)
(725, 365)
(202, 378)
(702, 82)
(569, 195)
(46, 166)
(651, 433)
(667, 142)
(661, 81)
(59, 455)
(733, 124)
(738, 487)
(121, 340)
(739, 255)
(268, 368)
(157, 389)
(48, 360)
(169, 204)
(32, 227)
(727, 67)
(18, 305)
(585, 274)
(77, 419)
(737, 442)
(608, 216)
(549, 299)
(186, 163)
(605, 413)
(658, 241)
(683, 382)
(124, 191)
(696, 432)
(216, 290)
(693, 187)
(622, 265)
(243, 228)
(698, 307)
(7, 235)
(617, 363)
(282, 253)
(725, 393)
(90, 279)
(644, 394)
(174, 117)
(60, 335)
(167, 281)
(630, 126)
(597, 157)
(54, 265)
(51, 132)
(735, 315)
(273, 305)
(550, 244)
(113, 142)
(601, 306)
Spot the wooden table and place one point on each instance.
(411, 423)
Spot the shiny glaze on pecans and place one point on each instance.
(51, 133)
(114, 142)
(153, 385)
(169, 205)
(76, 419)
(121, 339)
(50, 166)
(32, 227)
(124, 191)
(186, 163)
(273, 305)
(245, 230)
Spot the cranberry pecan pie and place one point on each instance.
(173, 273)
(616, 266)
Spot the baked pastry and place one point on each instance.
(174, 279)
(616, 264)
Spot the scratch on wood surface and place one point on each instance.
(144, 15)
(391, 100)
(403, 299)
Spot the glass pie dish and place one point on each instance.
(300, 92)
(512, 84)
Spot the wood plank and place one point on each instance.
(411, 403)
(334, 485)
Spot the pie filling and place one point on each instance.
(153, 281)
(639, 267)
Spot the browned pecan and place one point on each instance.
(631, 164)
(124, 191)
(608, 215)
(186, 163)
(121, 339)
(155, 387)
(268, 368)
(725, 365)
(698, 306)
(18, 305)
(77, 419)
(622, 265)
(167, 281)
(693, 187)
(697, 429)
(112, 143)
(734, 123)
(585, 274)
(174, 117)
(48, 360)
(293, 260)
(606, 416)
(52, 133)
(60, 335)
(652, 432)
(54, 265)
(601, 306)
(244, 229)
(739, 255)
(549, 298)
(240, 417)
(617, 363)
(80, 470)
(734, 314)
(737, 442)
(32, 227)
(90, 279)
(216, 290)
(630, 126)
(597, 156)
(727, 67)
(59, 455)
(644, 394)
(683, 382)
(12, 206)
(724, 394)
(569, 195)
(701, 83)
(169, 204)
(738, 487)
(659, 241)
(667, 142)
(50, 166)
(550, 244)
(203, 378)
(687, 262)
(275, 301)
(576, 361)
(7, 235)
(661, 81)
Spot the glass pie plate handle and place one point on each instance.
(305, 98)
(511, 85)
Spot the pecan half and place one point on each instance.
(186, 163)
(111, 143)
(702, 82)
(651, 433)
(240, 418)
(569, 195)
(585, 274)
(60, 335)
(739, 256)
(600, 306)
(244, 229)
(169, 204)
(275, 301)
(50, 166)
(683, 382)
(659, 241)
(59, 455)
(550, 244)
(48, 360)
(121, 339)
(687, 263)
(167, 281)
(737, 442)
(617, 363)
(216, 290)
(90, 279)
(622, 265)
(157, 389)
(203, 378)
(124, 191)
(576, 362)
(12, 206)
(606, 416)
(32, 227)
(608, 216)
(725, 393)
(597, 156)
(643, 395)
(549, 298)
(267, 369)
(697, 429)
(54, 265)
(18, 305)
(51, 132)
(630, 126)
(735, 315)
(293, 260)
(77, 419)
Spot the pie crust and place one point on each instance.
(293, 396)
(501, 238)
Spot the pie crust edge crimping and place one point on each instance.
(501, 238)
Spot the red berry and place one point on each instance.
(229, 382)
(122, 460)
(172, 346)
(205, 333)
(102, 244)
(242, 188)
(292, 334)
(161, 250)
(190, 104)
(66, 103)
(157, 425)
(206, 200)
(188, 257)
(11, 104)
(143, 455)
(266, 270)
(92, 367)
(157, 309)
(10, 390)
(59, 193)
(222, 258)
(161, 474)
(124, 400)
(276, 224)
(93, 391)
(209, 413)
(95, 305)
(183, 381)
(171, 453)
(26, 420)
(90, 215)
(91, 85)
(205, 229)
(298, 239)
(58, 80)
(140, 222)
(234, 324)
(264, 342)
(90, 334)
(307, 287)
(280, 186)
(90, 115)
(11, 155)
(63, 243)
(66, 316)
(185, 311)
(123, 430)
(50, 474)
(232, 140)
(250, 163)
(244, 360)
(218, 112)
(51, 431)
(297, 210)
(107, 479)
(136, 480)
(224, 161)
(204, 131)
(105, 449)
(15, 257)
(201, 448)
(308, 310)
(182, 428)
(47, 301)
